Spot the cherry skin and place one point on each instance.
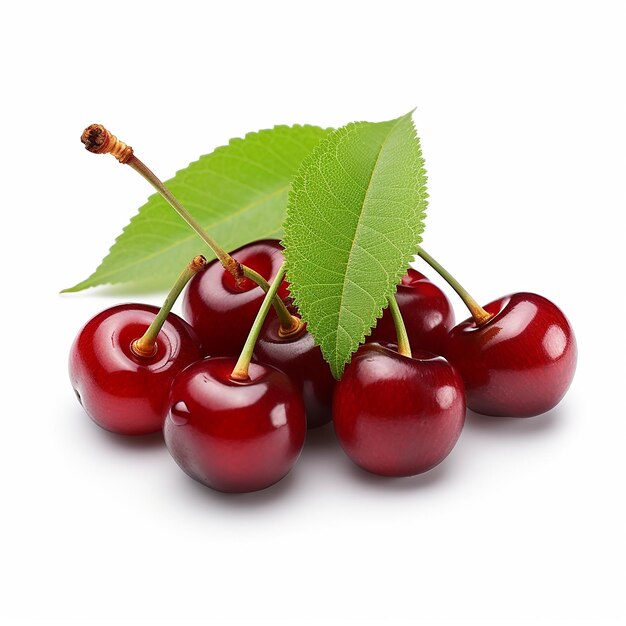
(427, 314)
(395, 415)
(299, 357)
(234, 436)
(521, 362)
(120, 391)
(222, 311)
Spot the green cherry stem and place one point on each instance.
(97, 139)
(404, 347)
(225, 259)
(243, 364)
(478, 313)
(146, 346)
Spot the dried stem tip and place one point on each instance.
(99, 140)
(198, 263)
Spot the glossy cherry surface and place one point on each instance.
(398, 416)
(120, 391)
(222, 311)
(302, 361)
(518, 364)
(230, 435)
(427, 314)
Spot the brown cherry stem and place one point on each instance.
(243, 364)
(97, 139)
(146, 346)
(478, 313)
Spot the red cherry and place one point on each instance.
(395, 415)
(234, 436)
(302, 360)
(222, 311)
(120, 391)
(427, 314)
(520, 362)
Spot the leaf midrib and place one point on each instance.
(358, 227)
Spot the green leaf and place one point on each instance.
(238, 193)
(354, 219)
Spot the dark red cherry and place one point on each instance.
(521, 362)
(234, 436)
(395, 415)
(222, 311)
(299, 357)
(427, 314)
(120, 391)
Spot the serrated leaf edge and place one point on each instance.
(421, 215)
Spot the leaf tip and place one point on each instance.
(77, 287)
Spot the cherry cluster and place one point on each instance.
(234, 390)
(393, 414)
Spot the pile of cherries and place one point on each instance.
(239, 424)
(394, 415)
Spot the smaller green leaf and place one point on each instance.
(354, 219)
(238, 193)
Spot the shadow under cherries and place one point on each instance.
(438, 474)
(241, 501)
(516, 427)
(135, 442)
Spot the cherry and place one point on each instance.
(298, 356)
(220, 309)
(395, 415)
(121, 391)
(520, 362)
(123, 361)
(517, 355)
(426, 311)
(234, 435)
(236, 426)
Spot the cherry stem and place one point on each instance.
(146, 345)
(478, 313)
(404, 346)
(141, 168)
(289, 323)
(243, 364)
(99, 140)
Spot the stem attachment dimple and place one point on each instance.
(297, 325)
(404, 346)
(240, 372)
(146, 346)
(478, 313)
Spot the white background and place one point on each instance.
(521, 112)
